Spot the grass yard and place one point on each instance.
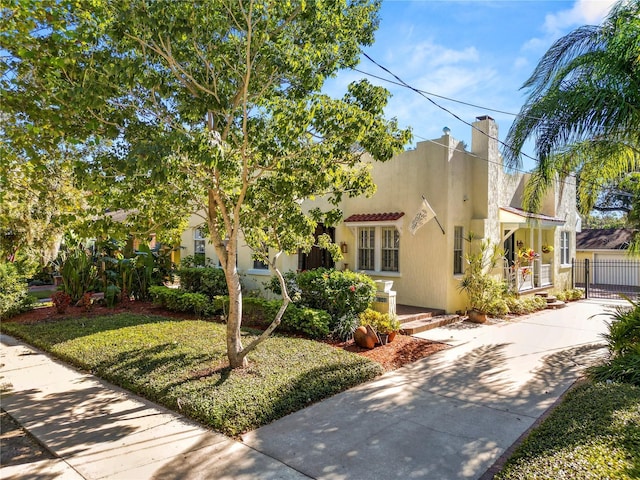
(593, 434)
(182, 365)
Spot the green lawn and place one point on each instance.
(593, 434)
(181, 364)
(40, 294)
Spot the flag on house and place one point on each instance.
(424, 215)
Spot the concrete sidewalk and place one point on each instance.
(448, 416)
(100, 431)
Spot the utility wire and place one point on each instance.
(422, 94)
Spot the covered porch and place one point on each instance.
(528, 240)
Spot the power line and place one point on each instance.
(462, 102)
(422, 94)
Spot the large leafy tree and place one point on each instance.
(216, 107)
(583, 108)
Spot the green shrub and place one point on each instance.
(340, 293)
(345, 326)
(14, 293)
(381, 322)
(258, 312)
(623, 342)
(79, 273)
(524, 305)
(206, 280)
(178, 300)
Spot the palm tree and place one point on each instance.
(583, 109)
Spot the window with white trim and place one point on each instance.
(564, 248)
(458, 236)
(366, 248)
(390, 249)
(378, 249)
(199, 241)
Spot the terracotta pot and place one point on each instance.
(477, 317)
(392, 335)
(365, 337)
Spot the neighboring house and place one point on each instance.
(469, 192)
(606, 251)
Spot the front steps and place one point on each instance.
(552, 302)
(419, 320)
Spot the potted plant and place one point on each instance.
(386, 326)
(482, 290)
(547, 249)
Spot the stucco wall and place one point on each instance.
(465, 188)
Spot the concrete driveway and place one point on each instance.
(450, 415)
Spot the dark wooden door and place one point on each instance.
(317, 257)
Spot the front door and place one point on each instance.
(510, 249)
(317, 257)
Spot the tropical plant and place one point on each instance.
(582, 110)
(623, 343)
(485, 293)
(61, 300)
(79, 272)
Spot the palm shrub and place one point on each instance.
(79, 273)
(14, 292)
(485, 293)
(623, 342)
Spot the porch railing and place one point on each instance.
(528, 277)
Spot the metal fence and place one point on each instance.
(607, 278)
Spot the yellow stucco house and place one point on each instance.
(469, 191)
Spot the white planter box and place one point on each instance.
(384, 285)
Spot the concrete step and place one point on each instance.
(420, 325)
(556, 304)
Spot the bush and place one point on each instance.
(14, 293)
(206, 280)
(340, 293)
(381, 322)
(61, 301)
(345, 326)
(258, 312)
(178, 300)
(623, 342)
(524, 305)
(79, 273)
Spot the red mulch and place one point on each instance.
(404, 349)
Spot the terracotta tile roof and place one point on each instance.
(374, 217)
(537, 216)
(604, 238)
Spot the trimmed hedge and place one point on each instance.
(206, 280)
(178, 300)
(256, 312)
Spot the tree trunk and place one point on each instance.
(235, 352)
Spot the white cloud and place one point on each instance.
(583, 12)
(431, 54)
(520, 63)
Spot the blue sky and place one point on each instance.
(480, 52)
